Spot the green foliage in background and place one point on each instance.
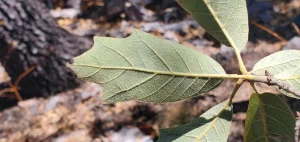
(145, 68)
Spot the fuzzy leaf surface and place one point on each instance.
(212, 126)
(283, 65)
(269, 119)
(225, 20)
(146, 68)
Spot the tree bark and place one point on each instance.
(35, 40)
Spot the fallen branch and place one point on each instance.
(25, 73)
(13, 87)
(16, 92)
(296, 28)
(270, 32)
(7, 90)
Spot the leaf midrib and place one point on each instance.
(221, 26)
(264, 119)
(169, 73)
(211, 125)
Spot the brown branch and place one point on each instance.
(16, 92)
(20, 77)
(30, 69)
(270, 32)
(296, 28)
(13, 87)
(271, 81)
(6, 90)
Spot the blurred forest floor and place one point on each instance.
(78, 115)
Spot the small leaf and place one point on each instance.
(269, 119)
(226, 20)
(283, 65)
(146, 68)
(212, 126)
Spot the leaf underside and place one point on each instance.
(212, 126)
(146, 68)
(225, 20)
(269, 119)
(283, 64)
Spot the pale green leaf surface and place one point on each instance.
(269, 119)
(212, 126)
(146, 68)
(282, 65)
(226, 20)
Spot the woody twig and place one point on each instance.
(272, 81)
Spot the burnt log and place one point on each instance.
(31, 38)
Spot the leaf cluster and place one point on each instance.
(145, 68)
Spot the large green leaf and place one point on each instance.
(283, 65)
(212, 126)
(226, 20)
(146, 68)
(269, 119)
